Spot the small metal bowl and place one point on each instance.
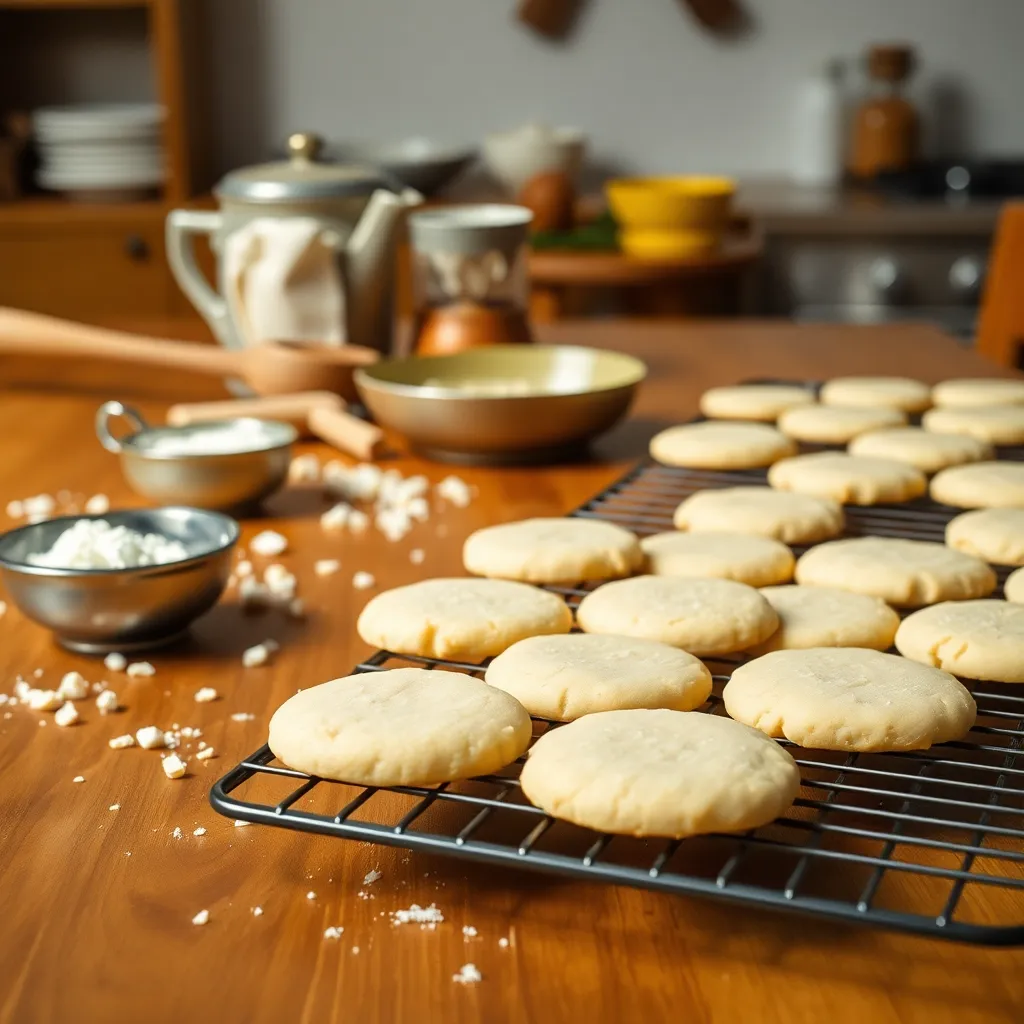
(101, 610)
(502, 404)
(222, 481)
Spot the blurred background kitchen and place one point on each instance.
(847, 161)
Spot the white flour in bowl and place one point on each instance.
(228, 438)
(95, 544)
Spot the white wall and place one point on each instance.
(653, 89)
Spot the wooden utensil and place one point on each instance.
(347, 433)
(551, 18)
(721, 16)
(270, 368)
(293, 409)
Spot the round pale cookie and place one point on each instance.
(466, 619)
(901, 393)
(849, 479)
(924, 449)
(564, 550)
(1013, 588)
(764, 402)
(904, 573)
(980, 485)
(660, 773)
(720, 444)
(836, 424)
(995, 534)
(968, 391)
(701, 616)
(845, 698)
(761, 511)
(401, 727)
(993, 424)
(971, 639)
(756, 561)
(827, 617)
(566, 677)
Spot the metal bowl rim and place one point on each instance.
(129, 442)
(27, 569)
(364, 376)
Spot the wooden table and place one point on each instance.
(96, 905)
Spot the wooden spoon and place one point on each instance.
(270, 368)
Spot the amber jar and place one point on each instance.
(885, 125)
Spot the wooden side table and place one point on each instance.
(567, 283)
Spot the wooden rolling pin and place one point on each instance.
(293, 409)
(347, 433)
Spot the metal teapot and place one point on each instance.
(360, 214)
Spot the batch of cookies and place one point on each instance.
(625, 673)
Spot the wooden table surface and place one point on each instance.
(96, 905)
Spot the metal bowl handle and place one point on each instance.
(113, 410)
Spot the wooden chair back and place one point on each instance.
(1000, 335)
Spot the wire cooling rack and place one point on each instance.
(928, 841)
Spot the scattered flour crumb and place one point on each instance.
(269, 544)
(417, 555)
(469, 931)
(310, 895)
(240, 824)
(371, 876)
(140, 670)
(503, 942)
(37, 673)
(254, 657)
(304, 469)
(150, 737)
(363, 580)
(326, 566)
(242, 716)
(205, 754)
(333, 932)
(44, 700)
(455, 490)
(296, 608)
(107, 702)
(425, 917)
(257, 911)
(202, 917)
(73, 686)
(177, 833)
(336, 517)
(67, 714)
(205, 694)
(468, 975)
(114, 807)
(115, 662)
(243, 569)
(358, 521)
(199, 831)
(97, 505)
(120, 742)
(174, 767)
(78, 778)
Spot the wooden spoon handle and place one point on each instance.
(347, 433)
(36, 334)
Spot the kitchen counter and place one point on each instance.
(97, 904)
(782, 207)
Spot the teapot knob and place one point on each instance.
(305, 146)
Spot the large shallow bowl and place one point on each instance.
(101, 610)
(421, 164)
(502, 404)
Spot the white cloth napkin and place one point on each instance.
(284, 282)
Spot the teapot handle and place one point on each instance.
(181, 255)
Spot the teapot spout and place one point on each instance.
(380, 218)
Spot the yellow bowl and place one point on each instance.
(665, 217)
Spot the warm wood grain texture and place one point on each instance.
(91, 934)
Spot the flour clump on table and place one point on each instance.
(95, 544)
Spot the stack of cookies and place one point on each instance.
(636, 756)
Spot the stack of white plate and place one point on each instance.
(99, 148)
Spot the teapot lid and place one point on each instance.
(300, 177)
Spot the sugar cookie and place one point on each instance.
(993, 424)
(1013, 588)
(844, 698)
(971, 639)
(850, 479)
(720, 444)
(978, 391)
(836, 424)
(660, 773)
(877, 392)
(924, 449)
(566, 550)
(756, 561)
(400, 727)
(762, 402)
(981, 485)
(995, 534)
(702, 616)
(904, 573)
(460, 618)
(762, 511)
(827, 617)
(566, 677)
